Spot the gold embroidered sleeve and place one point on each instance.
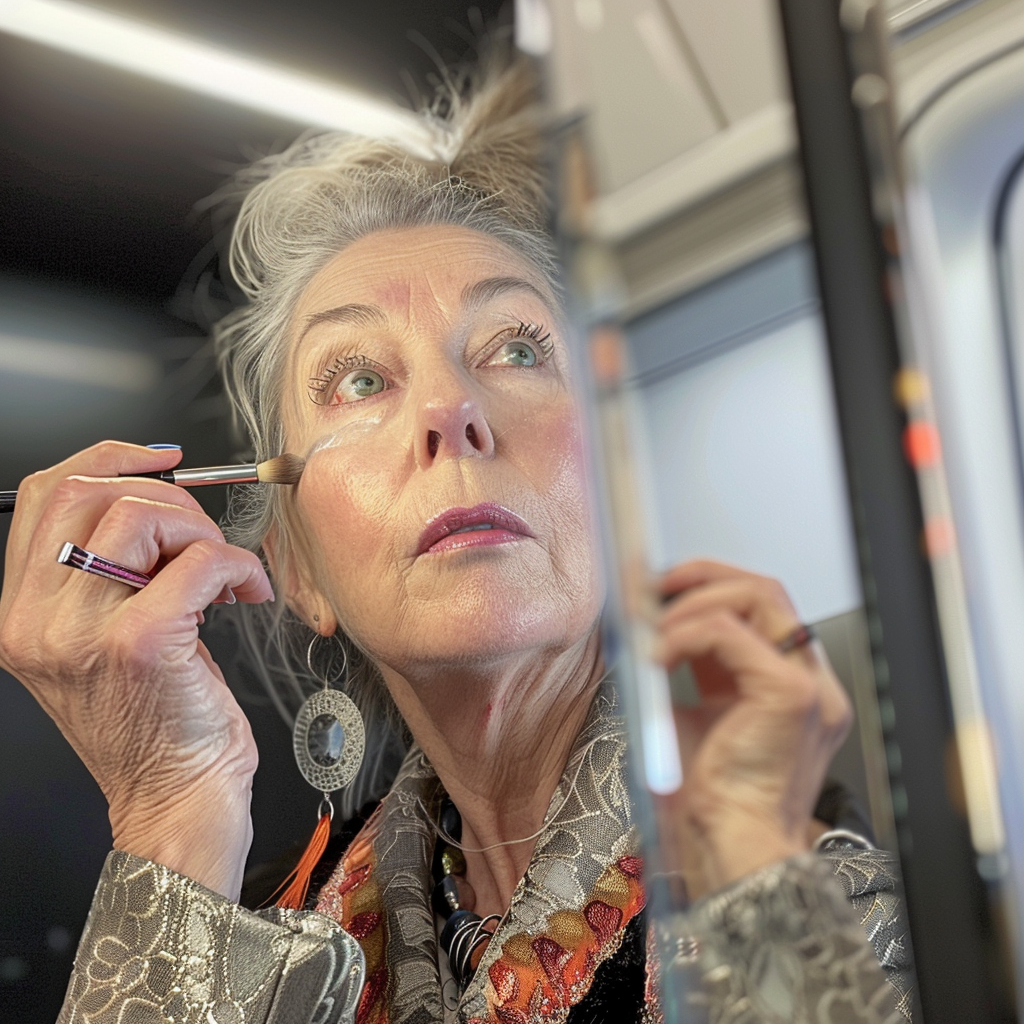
(784, 946)
(160, 948)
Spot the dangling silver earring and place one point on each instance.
(328, 738)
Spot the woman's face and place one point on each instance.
(444, 503)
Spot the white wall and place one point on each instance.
(744, 440)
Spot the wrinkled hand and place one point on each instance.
(122, 672)
(756, 750)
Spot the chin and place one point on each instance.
(543, 622)
(468, 631)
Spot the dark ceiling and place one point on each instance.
(100, 170)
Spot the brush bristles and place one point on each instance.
(284, 469)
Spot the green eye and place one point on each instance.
(363, 384)
(516, 353)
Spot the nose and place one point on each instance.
(451, 425)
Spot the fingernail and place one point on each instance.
(163, 446)
(226, 596)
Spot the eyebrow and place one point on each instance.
(476, 295)
(473, 297)
(354, 314)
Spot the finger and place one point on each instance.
(138, 534)
(34, 494)
(116, 458)
(696, 571)
(78, 505)
(700, 571)
(757, 599)
(198, 575)
(106, 459)
(753, 667)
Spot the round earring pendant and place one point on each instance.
(329, 739)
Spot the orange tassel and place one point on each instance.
(294, 897)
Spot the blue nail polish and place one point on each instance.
(163, 446)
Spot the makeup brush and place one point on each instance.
(282, 469)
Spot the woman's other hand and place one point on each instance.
(756, 749)
(122, 672)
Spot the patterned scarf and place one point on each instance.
(567, 916)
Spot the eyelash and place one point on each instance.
(320, 385)
(538, 334)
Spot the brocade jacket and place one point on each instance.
(816, 938)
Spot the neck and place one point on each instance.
(499, 738)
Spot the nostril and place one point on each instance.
(433, 442)
(471, 436)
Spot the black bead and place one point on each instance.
(453, 924)
(445, 897)
(451, 820)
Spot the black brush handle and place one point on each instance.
(167, 475)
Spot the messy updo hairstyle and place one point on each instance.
(476, 163)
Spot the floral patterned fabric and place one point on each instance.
(567, 915)
(159, 948)
(785, 945)
(581, 891)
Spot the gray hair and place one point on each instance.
(299, 209)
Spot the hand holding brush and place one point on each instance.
(107, 639)
(283, 469)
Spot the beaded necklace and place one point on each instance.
(465, 934)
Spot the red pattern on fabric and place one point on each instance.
(603, 919)
(372, 991)
(558, 978)
(346, 902)
(552, 957)
(510, 1016)
(632, 866)
(504, 980)
(362, 924)
(354, 880)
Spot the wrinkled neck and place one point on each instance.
(499, 739)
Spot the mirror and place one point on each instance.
(737, 367)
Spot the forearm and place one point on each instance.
(161, 946)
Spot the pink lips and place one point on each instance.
(480, 526)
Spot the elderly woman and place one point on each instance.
(403, 334)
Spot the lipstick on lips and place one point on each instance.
(480, 526)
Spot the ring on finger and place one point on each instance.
(796, 638)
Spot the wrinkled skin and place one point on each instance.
(421, 396)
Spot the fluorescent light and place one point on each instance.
(81, 364)
(178, 60)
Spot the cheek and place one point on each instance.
(346, 498)
(555, 447)
(558, 452)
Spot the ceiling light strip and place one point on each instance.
(180, 61)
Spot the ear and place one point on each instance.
(298, 590)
